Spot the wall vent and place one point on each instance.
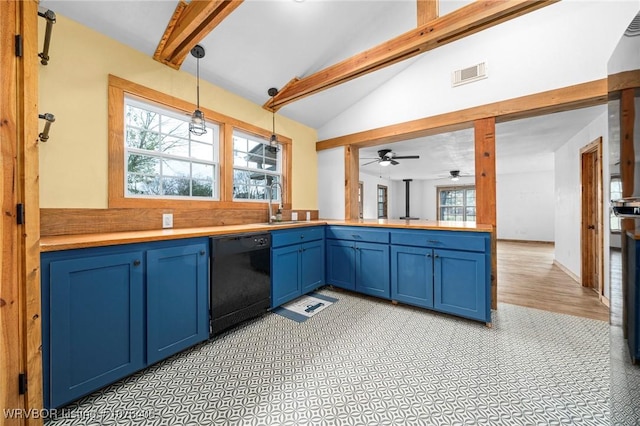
(470, 74)
(633, 29)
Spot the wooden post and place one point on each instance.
(351, 181)
(627, 166)
(485, 150)
(427, 11)
(11, 333)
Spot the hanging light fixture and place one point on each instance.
(455, 175)
(197, 123)
(273, 142)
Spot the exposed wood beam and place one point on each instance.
(460, 23)
(189, 24)
(624, 80)
(427, 11)
(567, 98)
(627, 176)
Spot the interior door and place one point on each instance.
(592, 250)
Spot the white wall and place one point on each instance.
(626, 56)
(369, 196)
(331, 183)
(567, 196)
(525, 206)
(416, 199)
(560, 45)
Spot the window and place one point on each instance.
(382, 202)
(163, 158)
(615, 193)
(458, 203)
(154, 162)
(256, 166)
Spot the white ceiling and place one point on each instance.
(525, 145)
(265, 43)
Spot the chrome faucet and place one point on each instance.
(271, 198)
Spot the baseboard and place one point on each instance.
(605, 301)
(508, 240)
(567, 271)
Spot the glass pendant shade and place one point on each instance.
(197, 123)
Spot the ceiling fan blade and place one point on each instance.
(394, 163)
(371, 162)
(406, 157)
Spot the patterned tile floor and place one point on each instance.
(368, 362)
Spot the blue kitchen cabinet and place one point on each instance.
(412, 275)
(632, 301)
(341, 264)
(297, 258)
(372, 269)
(95, 324)
(358, 259)
(447, 271)
(177, 299)
(111, 311)
(460, 284)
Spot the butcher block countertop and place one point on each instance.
(67, 242)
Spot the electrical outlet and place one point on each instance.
(167, 220)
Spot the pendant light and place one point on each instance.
(197, 123)
(273, 142)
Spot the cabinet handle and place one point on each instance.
(428, 254)
(433, 241)
(436, 256)
(136, 262)
(303, 249)
(301, 236)
(202, 252)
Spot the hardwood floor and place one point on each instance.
(528, 277)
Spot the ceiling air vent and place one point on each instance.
(634, 27)
(470, 74)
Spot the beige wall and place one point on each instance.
(73, 87)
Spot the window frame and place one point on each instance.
(118, 87)
(611, 213)
(439, 189)
(160, 155)
(384, 202)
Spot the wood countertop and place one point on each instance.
(67, 242)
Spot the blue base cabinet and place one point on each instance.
(177, 299)
(111, 311)
(632, 301)
(95, 323)
(297, 263)
(447, 271)
(412, 275)
(358, 259)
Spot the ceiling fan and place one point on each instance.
(386, 157)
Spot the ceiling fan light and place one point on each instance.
(197, 123)
(385, 162)
(455, 178)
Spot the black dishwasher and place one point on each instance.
(240, 279)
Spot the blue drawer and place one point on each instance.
(357, 233)
(467, 241)
(286, 237)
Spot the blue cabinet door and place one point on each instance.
(285, 274)
(412, 275)
(311, 266)
(372, 269)
(177, 299)
(460, 284)
(95, 325)
(341, 270)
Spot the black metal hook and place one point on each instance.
(50, 118)
(50, 16)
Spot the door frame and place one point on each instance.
(589, 153)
